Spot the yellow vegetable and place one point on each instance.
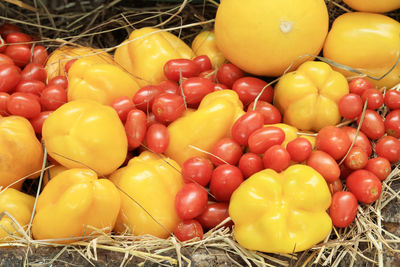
(205, 44)
(374, 6)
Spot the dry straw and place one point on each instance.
(105, 24)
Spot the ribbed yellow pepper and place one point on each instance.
(152, 181)
(99, 81)
(21, 153)
(148, 50)
(74, 204)
(85, 133)
(308, 97)
(281, 212)
(202, 128)
(17, 204)
(205, 44)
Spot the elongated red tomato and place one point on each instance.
(270, 113)
(3, 103)
(248, 88)
(20, 54)
(246, 125)
(30, 86)
(123, 105)
(37, 122)
(226, 150)
(175, 69)
(228, 74)
(361, 140)
(265, 137)
(343, 209)
(19, 37)
(392, 99)
(60, 81)
(356, 159)
(224, 181)
(190, 201)
(364, 185)
(198, 170)
(333, 140)
(23, 104)
(144, 98)
(168, 107)
(187, 230)
(157, 138)
(299, 149)
(323, 163)
(374, 97)
(350, 106)
(135, 127)
(4, 59)
(39, 55)
(213, 215)
(388, 147)
(203, 62)
(392, 123)
(250, 163)
(10, 75)
(277, 158)
(379, 166)
(373, 125)
(53, 97)
(34, 71)
(195, 89)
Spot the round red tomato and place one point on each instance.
(299, 149)
(350, 106)
(60, 81)
(379, 166)
(250, 163)
(23, 104)
(246, 125)
(195, 89)
(213, 215)
(361, 140)
(333, 140)
(270, 113)
(389, 148)
(123, 105)
(248, 88)
(135, 127)
(53, 97)
(157, 138)
(168, 107)
(356, 159)
(188, 230)
(34, 71)
(10, 75)
(359, 85)
(343, 209)
(197, 169)
(3, 103)
(144, 98)
(175, 69)
(39, 55)
(203, 62)
(373, 125)
(392, 99)
(191, 201)
(228, 74)
(277, 158)
(374, 97)
(323, 163)
(392, 123)
(262, 139)
(37, 122)
(20, 54)
(365, 186)
(226, 151)
(224, 181)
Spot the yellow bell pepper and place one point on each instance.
(89, 79)
(205, 44)
(308, 97)
(291, 133)
(204, 127)
(55, 64)
(21, 153)
(74, 204)
(84, 133)
(52, 172)
(19, 205)
(281, 212)
(148, 50)
(152, 181)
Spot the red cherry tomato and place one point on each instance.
(213, 215)
(226, 151)
(277, 158)
(299, 149)
(379, 166)
(250, 163)
(323, 163)
(123, 105)
(392, 99)
(365, 186)
(39, 55)
(4, 59)
(30, 86)
(208, 74)
(7, 28)
(175, 69)
(356, 159)
(169, 87)
(344, 171)
(157, 138)
(135, 127)
(333, 140)
(203, 62)
(246, 125)
(34, 71)
(37, 122)
(53, 97)
(195, 89)
(228, 74)
(270, 113)
(23, 104)
(262, 139)
(373, 125)
(69, 64)
(10, 75)
(335, 186)
(359, 85)
(248, 88)
(392, 123)
(374, 97)
(19, 38)
(191, 201)
(389, 148)
(343, 209)
(144, 98)
(60, 81)
(350, 106)
(197, 169)
(20, 54)
(3, 103)
(188, 230)
(220, 86)
(151, 119)
(168, 107)
(224, 181)
(361, 140)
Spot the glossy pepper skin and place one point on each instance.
(19, 205)
(21, 153)
(152, 181)
(281, 213)
(74, 203)
(205, 44)
(99, 81)
(85, 133)
(308, 97)
(148, 50)
(204, 127)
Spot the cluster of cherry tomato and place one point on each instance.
(24, 90)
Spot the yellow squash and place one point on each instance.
(374, 6)
(205, 44)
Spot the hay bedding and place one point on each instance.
(373, 239)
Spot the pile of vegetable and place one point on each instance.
(273, 125)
